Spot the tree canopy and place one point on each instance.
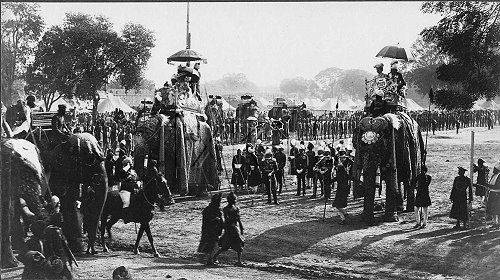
(79, 57)
(469, 35)
(21, 27)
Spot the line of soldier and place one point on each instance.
(259, 167)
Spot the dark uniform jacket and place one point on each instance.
(301, 164)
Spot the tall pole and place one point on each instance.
(188, 35)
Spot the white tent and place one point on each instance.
(484, 104)
(411, 105)
(111, 102)
(226, 106)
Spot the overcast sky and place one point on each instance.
(266, 41)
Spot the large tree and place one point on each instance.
(21, 27)
(469, 35)
(300, 85)
(78, 58)
(422, 72)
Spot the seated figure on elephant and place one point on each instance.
(386, 93)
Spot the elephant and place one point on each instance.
(392, 142)
(23, 177)
(188, 160)
(71, 160)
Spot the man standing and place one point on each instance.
(459, 208)
(482, 178)
(281, 161)
(301, 168)
(269, 168)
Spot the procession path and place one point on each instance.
(293, 241)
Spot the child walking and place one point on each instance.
(422, 199)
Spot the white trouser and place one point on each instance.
(125, 195)
(421, 215)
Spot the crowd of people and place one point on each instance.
(333, 125)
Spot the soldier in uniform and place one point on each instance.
(269, 167)
(324, 167)
(317, 176)
(311, 156)
(301, 168)
(281, 161)
(128, 186)
(252, 167)
(239, 174)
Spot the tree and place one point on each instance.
(21, 27)
(422, 72)
(469, 34)
(299, 85)
(78, 58)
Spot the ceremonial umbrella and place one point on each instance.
(186, 56)
(395, 52)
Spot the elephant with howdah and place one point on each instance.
(392, 142)
(188, 159)
(70, 161)
(23, 179)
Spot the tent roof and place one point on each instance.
(111, 102)
(411, 105)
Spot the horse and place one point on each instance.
(141, 206)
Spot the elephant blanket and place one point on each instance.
(188, 151)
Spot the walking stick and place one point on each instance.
(324, 209)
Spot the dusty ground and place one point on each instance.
(292, 241)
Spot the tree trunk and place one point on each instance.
(95, 102)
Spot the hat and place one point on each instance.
(121, 273)
(216, 198)
(231, 197)
(258, 142)
(126, 161)
(30, 98)
(460, 168)
(379, 65)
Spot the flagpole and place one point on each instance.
(431, 98)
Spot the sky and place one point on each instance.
(267, 41)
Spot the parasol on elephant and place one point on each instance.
(186, 55)
(395, 52)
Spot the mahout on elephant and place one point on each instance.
(392, 143)
(71, 160)
(23, 186)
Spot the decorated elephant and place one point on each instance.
(393, 143)
(184, 148)
(23, 184)
(71, 160)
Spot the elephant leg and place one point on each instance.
(8, 259)
(147, 228)
(104, 222)
(72, 227)
(369, 202)
(410, 196)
